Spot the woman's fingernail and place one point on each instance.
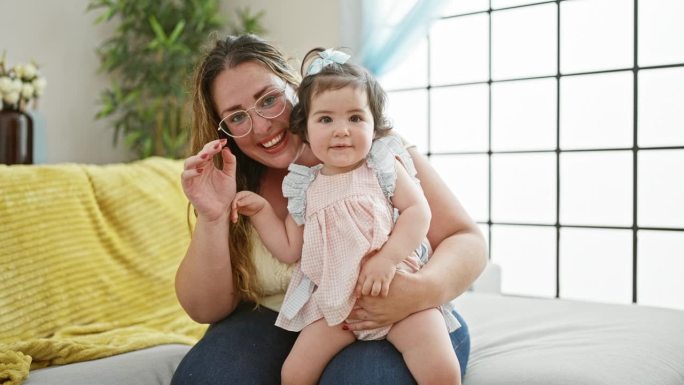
(216, 147)
(345, 327)
(200, 169)
(204, 156)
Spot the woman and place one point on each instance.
(221, 277)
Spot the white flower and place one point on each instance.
(27, 91)
(16, 85)
(11, 98)
(39, 84)
(19, 70)
(30, 71)
(19, 85)
(5, 84)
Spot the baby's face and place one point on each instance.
(340, 128)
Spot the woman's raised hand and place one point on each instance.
(209, 189)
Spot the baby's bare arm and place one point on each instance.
(408, 232)
(283, 239)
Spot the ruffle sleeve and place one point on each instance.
(381, 159)
(295, 184)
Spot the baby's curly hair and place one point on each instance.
(335, 76)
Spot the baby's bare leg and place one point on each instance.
(316, 345)
(423, 340)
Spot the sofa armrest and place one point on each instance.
(489, 281)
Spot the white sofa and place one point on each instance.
(515, 341)
(533, 341)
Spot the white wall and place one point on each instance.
(61, 38)
(296, 26)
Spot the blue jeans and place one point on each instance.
(247, 348)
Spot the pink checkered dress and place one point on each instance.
(346, 216)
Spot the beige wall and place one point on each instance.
(296, 25)
(61, 37)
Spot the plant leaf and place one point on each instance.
(150, 69)
(159, 33)
(177, 31)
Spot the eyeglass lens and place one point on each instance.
(269, 106)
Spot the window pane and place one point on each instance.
(524, 188)
(459, 50)
(468, 178)
(409, 115)
(459, 118)
(524, 42)
(661, 116)
(410, 71)
(597, 111)
(527, 256)
(660, 265)
(596, 188)
(524, 115)
(596, 265)
(512, 3)
(456, 7)
(660, 32)
(596, 35)
(661, 188)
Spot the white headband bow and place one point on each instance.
(327, 57)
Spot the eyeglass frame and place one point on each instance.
(281, 90)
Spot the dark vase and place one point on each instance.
(16, 137)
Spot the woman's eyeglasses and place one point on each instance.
(270, 105)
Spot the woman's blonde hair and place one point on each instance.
(225, 54)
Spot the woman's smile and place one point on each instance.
(272, 142)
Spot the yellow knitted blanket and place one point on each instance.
(87, 261)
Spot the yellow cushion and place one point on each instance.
(87, 261)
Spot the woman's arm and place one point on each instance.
(458, 259)
(460, 252)
(204, 280)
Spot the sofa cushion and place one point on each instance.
(534, 341)
(152, 366)
(88, 255)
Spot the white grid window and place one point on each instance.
(559, 126)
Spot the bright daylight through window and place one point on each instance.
(559, 126)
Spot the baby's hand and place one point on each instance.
(376, 275)
(246, 203)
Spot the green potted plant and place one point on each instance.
(150, 58)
